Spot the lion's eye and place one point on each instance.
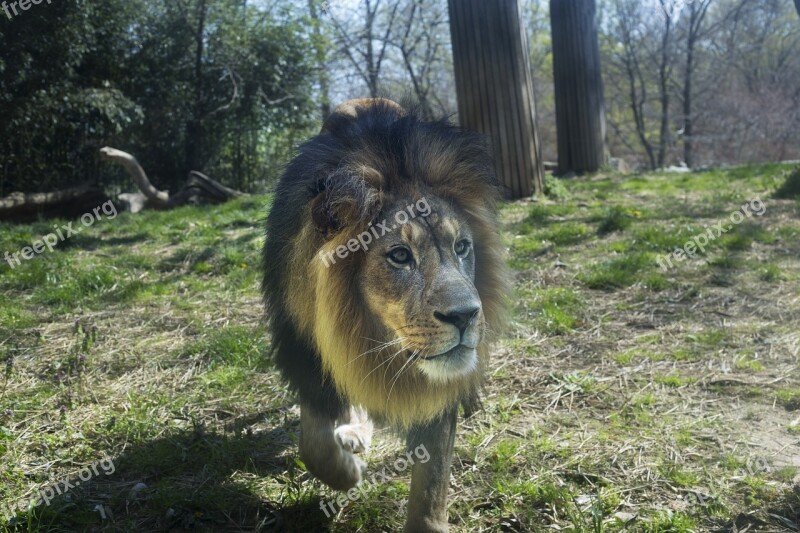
(400, 256)
(462, 248)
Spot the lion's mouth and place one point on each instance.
(435, 357)
(460, 360)
(458, 349)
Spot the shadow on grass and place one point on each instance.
(187, 258)
(188, 481)
(86, 242)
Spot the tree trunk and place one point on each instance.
(372, 69)
(194, 126)
(495, 90)
(688, 123)
(664, 73)
(797, 6)
(697, 14)
(321, 53)
(580, 109)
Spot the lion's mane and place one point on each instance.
(342, 177)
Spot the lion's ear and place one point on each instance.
(333, 210)
(348, 111)
(323, 221)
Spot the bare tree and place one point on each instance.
(422, 43)
(755, 108)
(641, 40)
(697, 15)
(665, 66)
(700, 81)
(626, 54)
(366, 47)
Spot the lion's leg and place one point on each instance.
(322, 452)
(355, 432)
(427, 500)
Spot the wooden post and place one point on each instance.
(580, 113)
(495, 89)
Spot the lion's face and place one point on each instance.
(419, 281)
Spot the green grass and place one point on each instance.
(679, 476)
(552, 311)
(771, 272)
(789, 398)
(664, 522)
(565, 233)
(617, 273)
(143, 339)
(615, 219)
(659, 239)
(673, 380)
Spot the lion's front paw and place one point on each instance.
(353, 472)
(354, 438)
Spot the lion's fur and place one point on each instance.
(320, 323)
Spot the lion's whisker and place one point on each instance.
(382, 344)
(373, 340)
(392, 359)
(388, 360)
(407, 364)
(410, 345)
(378, 348)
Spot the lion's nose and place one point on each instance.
(460, 318)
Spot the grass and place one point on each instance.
(553, 311)
(789, 398)
(615, 219)
(617, 273)
(624, 397)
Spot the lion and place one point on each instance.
(377, 316)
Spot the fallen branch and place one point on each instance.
(65, 203)
(199, 188)
(158, 199)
